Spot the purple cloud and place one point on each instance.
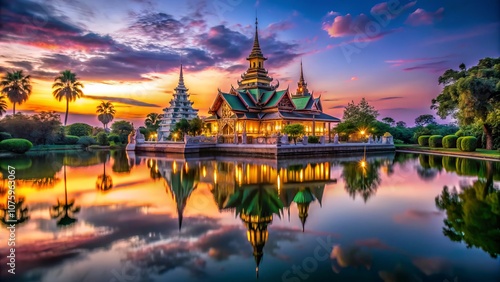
(421, 17)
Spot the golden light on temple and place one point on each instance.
(279, 185)
(215, 177)
(204, 171)
(362, 163)
(174, 166)
(301, 175)
(186, 167)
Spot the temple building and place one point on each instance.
(180, 107)
(257, 108)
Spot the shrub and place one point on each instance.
(449, 163)
(398, 141)
(436, 141)
(313, 139)
(469, 144)
(70, 139)
(423, 140)
(16, 145)
(102, 138)
(460, 133)
(450, 141)
(114, 138)
(459, 143)
(5, 136)
(86, 141)
(79, 129)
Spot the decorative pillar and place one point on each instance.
(329, 133)
(314, 127)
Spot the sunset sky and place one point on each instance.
(128, 52)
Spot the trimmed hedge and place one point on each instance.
(450, 141)
(469, 144)
(5, 136)
(86, 141)
(313, 139)
(16, 145)
(459, 143)
(424, 140)
(436, 141)
(460, 133)
(71, 139)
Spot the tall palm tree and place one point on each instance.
(17, 87)
(66, 86)
(106, 113)
(3, 105)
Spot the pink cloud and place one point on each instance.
(346, 25)
(354, 78)
(421, 17)
(413, 216)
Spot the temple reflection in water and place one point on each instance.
(254, 190)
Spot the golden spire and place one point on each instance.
(256, 51)
(302, 84)
(301, 73)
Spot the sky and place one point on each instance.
(129, 51)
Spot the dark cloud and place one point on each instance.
(337, 107)
(280, 53)
(22, 64)
(158, 26)
(330, 99)
(433, 67)
(128, 101)
(389, 98)
(225, 43)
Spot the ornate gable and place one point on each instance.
(286, 103)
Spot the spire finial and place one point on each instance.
(301, 72)
(256, 51)
(181, 80)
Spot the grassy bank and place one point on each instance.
(38, 148)
(479, 153)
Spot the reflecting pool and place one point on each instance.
(120, 217)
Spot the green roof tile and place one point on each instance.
(276, 98)
(300, 102)
(234, 102)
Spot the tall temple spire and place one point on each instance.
(256, 51)
(181, 80)
(302, 84)
(301, 73)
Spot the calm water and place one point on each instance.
(114, 217)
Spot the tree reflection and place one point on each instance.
(303, 199)
(361, 178)
(64, 212)
(20, 215)
(473, 214)
(121, 163)
(104, 181)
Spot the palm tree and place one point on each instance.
(106, 113)
(17, 87)
(104, 181)
(65, 212)
(153, 120)
(3, 105)
(67, 87)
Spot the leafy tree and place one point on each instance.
(357, 117)
(390, 121)
(123, 129)
(105, 113)
(472, 95)
(79, 129)
(424, 120)
(182, 127)
(17, 87)
(41, 128)
(195, 126)
(3, 105)
(401, 124)
(67, 86)
(294, 131)
(153, 121)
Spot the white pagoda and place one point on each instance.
(180, 107)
